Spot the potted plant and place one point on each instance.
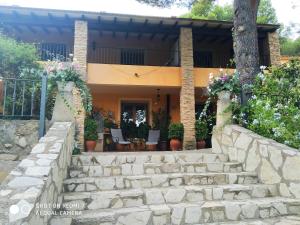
(201, 133)
(175, 135)
(90, 134)
(108, 124)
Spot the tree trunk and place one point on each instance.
(245, 45)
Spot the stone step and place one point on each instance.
(153, 168)
(169, 195)
(284, 220)
(157, 180)
(119, 158)
(191, 213)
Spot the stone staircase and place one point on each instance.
(160, 188)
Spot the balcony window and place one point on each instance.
(203, 59)
(132, 57)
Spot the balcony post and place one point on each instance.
(80, 56)
(187, 93)
(274, 48)
(81, 46)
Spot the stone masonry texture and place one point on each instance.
(81, 45)
(38, 179)
(187, 93)
(274, 48)
(18, 136)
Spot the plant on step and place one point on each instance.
(201, 132)
(90, 133)
(176, 131)
(69, 72)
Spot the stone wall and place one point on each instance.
(275, 163)
(187, 93)
(274, 48)
(38, 179)
(18, 136)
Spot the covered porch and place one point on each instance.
(136, 110)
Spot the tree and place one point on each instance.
(207, 9)
(16, 56)
(244, 36)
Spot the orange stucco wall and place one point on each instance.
(112, 103)
(108, 74)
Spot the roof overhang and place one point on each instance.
(21, 16)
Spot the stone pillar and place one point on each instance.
(81, 46)
(187, 93)
(224, 115)
(274, 48)
(79, 119)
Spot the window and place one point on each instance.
(132, 57)
(203, 59)
(50, 51)
(134, 112)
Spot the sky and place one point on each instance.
(286, 14)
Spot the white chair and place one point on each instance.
(117, 137)
(153, 138)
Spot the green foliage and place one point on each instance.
(143, 131)
(201, 128)
(273, 110)
(161, 121)
(266, 13)
(176, 131)
(290, 47)
(16, 56)
(207, 9)
(90, 129)
(69, 72)
(109, 123)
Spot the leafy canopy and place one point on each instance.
(209, 9)
(16, 56)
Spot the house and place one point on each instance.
(138, 64)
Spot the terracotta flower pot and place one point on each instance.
(90, 145)
(201, 144)
(175, 144)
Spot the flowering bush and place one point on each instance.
(273, 111)
(223, 82)
(69, 71)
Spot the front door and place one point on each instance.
(136, 112)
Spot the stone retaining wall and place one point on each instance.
(18, 136)
(38, 179)
(275, 163)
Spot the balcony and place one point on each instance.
(133, 56)
(51, 51)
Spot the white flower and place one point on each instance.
(255, 122)
(263, 67)
(221, 70)
(211, 76)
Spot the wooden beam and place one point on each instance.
(153, 34)
(45, 30)
(50, 16)
(99, 19)
(146, 22)
(115, 20)
(59, 30)
(67, 16)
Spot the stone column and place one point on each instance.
(187, 93)
(81, 46)
(274, 48)
(80, 55)
(224, 115)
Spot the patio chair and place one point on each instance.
(153, 138)
(117, 137)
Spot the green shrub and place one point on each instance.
(176, 131)
(273, 111)
(16, 56)
(90, 129)
(201, 128)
